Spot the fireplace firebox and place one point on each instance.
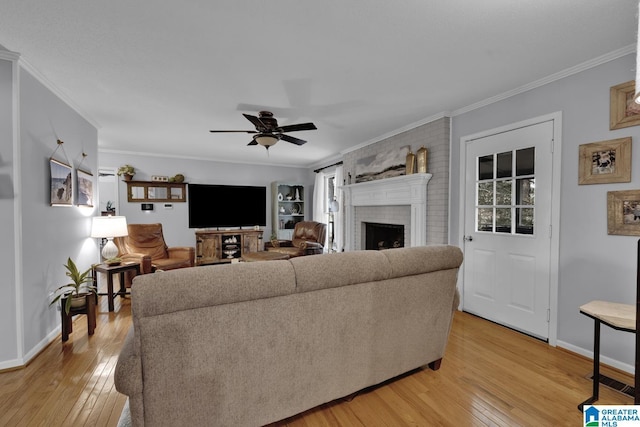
(383, 236)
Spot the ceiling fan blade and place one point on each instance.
(298, 127)
(256, 121)
(253, 142)
(292, 139)
(225, 131)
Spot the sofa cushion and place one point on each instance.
(339, 269)
(209, 285)
(422, 259)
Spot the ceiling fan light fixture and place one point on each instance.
(266, 140)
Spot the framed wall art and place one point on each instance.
(605, 162)
(620, 113)
(61, 184)
(386, 164)
(85, 188)
(623, 212)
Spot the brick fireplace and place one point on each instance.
(397, 201)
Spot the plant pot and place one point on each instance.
(126, 177)
(78, 301)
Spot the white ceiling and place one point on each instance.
(155, 76)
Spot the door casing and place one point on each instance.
(554, 261)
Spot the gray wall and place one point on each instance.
(50, 234)
(8, 331)
(174, 221)
(37, 243)
(592, 264)
(435, 137)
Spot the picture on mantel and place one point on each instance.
(386, 164)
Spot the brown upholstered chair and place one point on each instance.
(145, 244)
(308, 239)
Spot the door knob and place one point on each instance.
(468, 238)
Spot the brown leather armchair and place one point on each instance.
(308, 239)
(145, 244)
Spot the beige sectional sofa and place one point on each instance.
(252, 343)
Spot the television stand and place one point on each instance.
(224, 246)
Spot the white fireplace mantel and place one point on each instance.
(401, 190)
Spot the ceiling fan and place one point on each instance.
(268, 132)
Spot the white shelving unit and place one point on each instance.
(288, 208)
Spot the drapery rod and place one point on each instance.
(323, 168)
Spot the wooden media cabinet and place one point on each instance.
(221, 246)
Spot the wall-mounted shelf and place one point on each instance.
(151, 191)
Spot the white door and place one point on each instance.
(508, 227)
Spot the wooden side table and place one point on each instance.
(89, 309)
(110, 270)
(621, 317)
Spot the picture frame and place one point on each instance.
(623, 212)
(61, 183)
(84, 183)
(605, 162)
(386, 164)
(620, 116)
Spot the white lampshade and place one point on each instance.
(108, 227)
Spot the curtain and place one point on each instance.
(338, 217)
(319, 192)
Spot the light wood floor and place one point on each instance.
(490, 376)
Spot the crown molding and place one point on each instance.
(28, 67)
(9, 56)
(205, 159)
(398, 131)
(549, 79)
(320, 164)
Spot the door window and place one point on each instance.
(505, 192)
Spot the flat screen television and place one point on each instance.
(225, 206)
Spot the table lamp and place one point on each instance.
(108, 227)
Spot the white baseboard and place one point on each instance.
(630, 369)
(21, 362)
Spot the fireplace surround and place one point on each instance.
(410, 190)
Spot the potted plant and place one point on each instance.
(126, 172)
(74, 294)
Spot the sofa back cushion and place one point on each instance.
(191, 288)
(422, 259)
(339, 269)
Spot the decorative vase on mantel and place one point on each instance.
(421, 159)
(410, 166)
